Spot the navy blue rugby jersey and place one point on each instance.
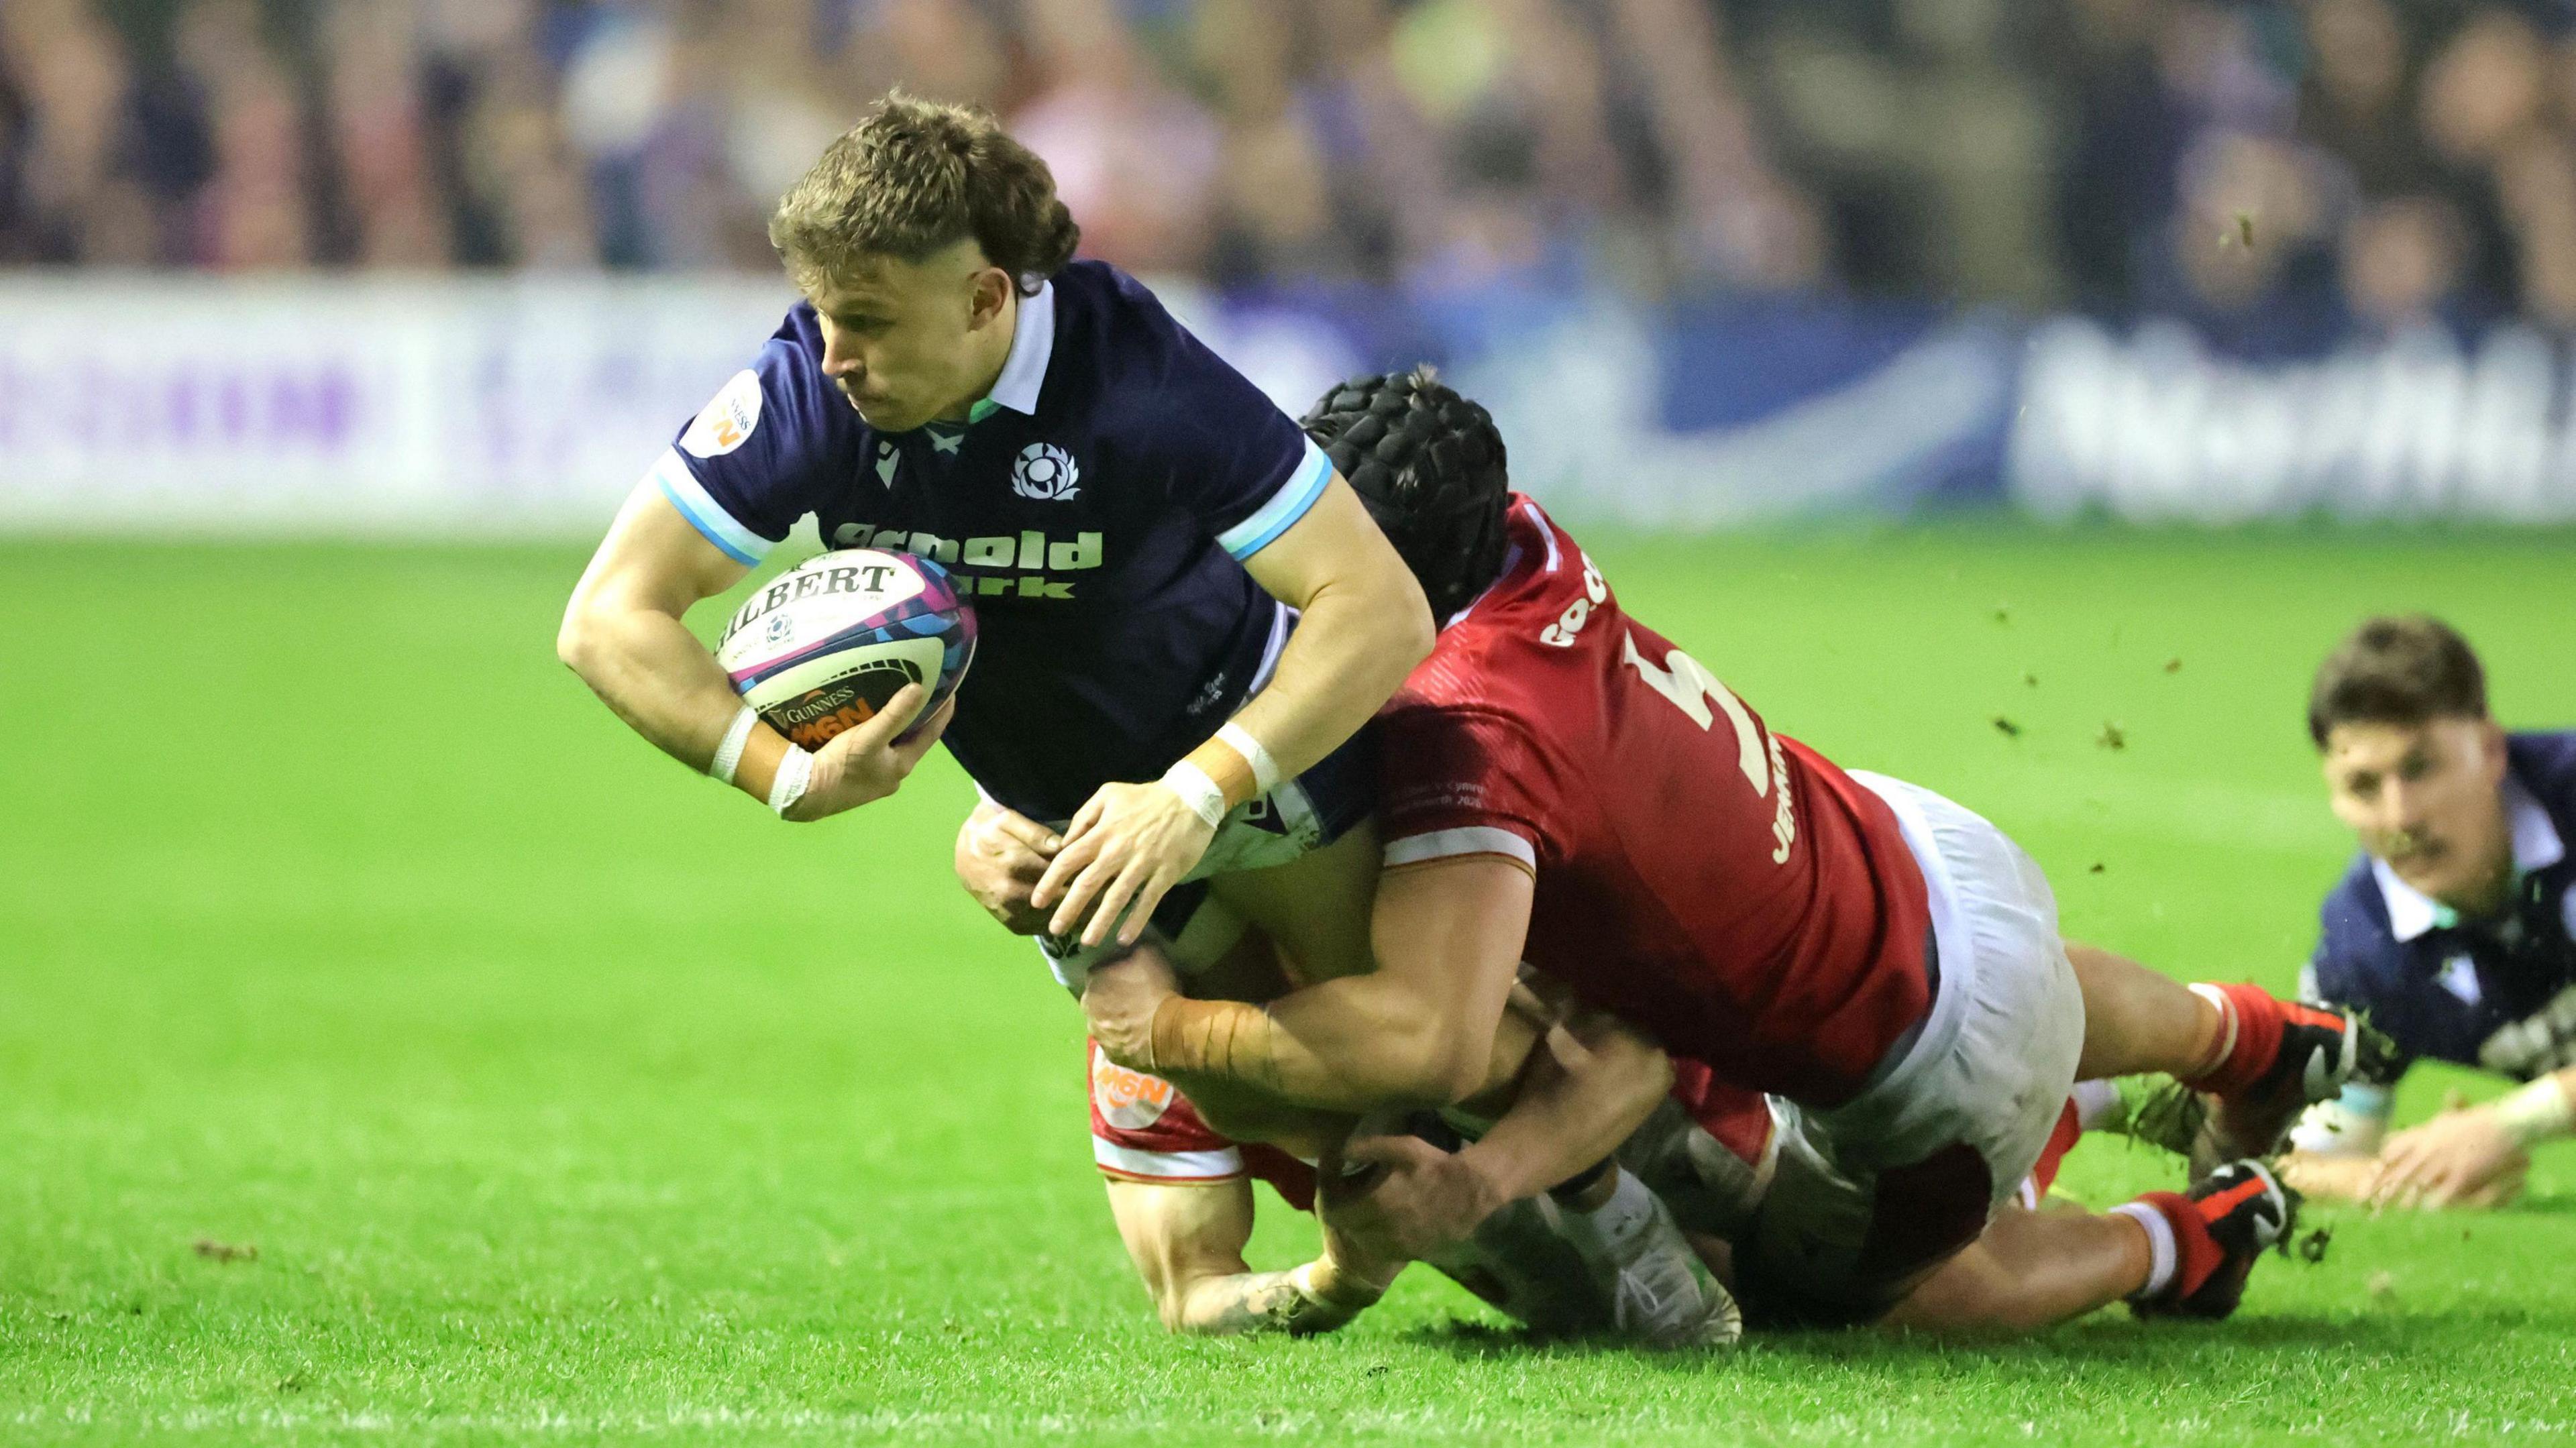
(1096, 508)
(2497, 994)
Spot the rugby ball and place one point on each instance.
(828, 642)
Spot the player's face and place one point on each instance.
(913, 342)
(2426, 798)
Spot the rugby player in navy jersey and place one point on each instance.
(2455, 928)
(1185, 613)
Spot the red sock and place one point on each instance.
(2070, 1128)
(2196, 1252)
(2255, 1017)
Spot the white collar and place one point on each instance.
(1032, 345)
(2536, 846)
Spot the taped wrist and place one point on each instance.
(729, 752)
(795, 773)
(1265, 769)
(1196, 790)
(2538, 1112)
(1227, 767)
(1206, 1038)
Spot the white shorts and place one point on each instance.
(1869, 1194)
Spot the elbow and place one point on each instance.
(1439, 1070)
(1465, 1064)
(1388, 605)
(1459, 1080)
(1416, 630)
(577, 638)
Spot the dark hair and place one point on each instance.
(1428, 464)
(2397, 670)
(917, 177)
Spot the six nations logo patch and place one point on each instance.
(724, 423)
(1045, 471)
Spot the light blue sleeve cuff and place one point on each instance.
(1285, 507)
(2353, 1124)
(704, 513)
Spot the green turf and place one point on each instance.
(569, 1098)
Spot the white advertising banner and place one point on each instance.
(2155, 427)
(508, 406)
(529, 406)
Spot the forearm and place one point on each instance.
(1563, 1122)
(2543, 1111)
(1354, 1044)
(2331, 1176)
(654, 674)
(1352, 649)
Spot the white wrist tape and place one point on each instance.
(2538, 1112)
(795, 772)
(729, 753)
(1265, 770)
(1197, 791)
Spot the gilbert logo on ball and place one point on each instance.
(828, 642)
(1046, 472)
(725, 423)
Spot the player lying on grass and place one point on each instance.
(1182, 1197)
(2455, 929)
(1172, 583)
(1558, 1261)
(1565, 787)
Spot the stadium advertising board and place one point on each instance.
(530, 405)
(352, 406)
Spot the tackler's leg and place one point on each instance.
(2258, 1059)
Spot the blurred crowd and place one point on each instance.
(2274, 167)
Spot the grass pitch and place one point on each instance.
(393, 1049)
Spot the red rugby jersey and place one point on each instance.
(1723, 888)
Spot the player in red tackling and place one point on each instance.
(1181, 1193)
(1564, 786)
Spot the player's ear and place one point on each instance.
(992, 286)
(2491, 752)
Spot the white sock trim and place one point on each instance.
(2095, 1103)
(2227, 1035)
(2162, 1252)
